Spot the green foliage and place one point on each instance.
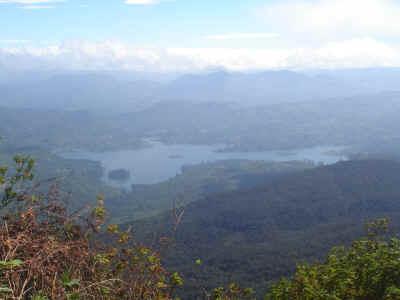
(11, 264)
(4, 289)
(39, 296)
(369, 269)
(67, 282)
(230, 292)
(10, 184)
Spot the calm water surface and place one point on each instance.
(156, 164)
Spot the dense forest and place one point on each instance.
(256, 236)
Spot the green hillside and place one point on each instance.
(256, 236)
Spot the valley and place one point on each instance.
(199, 150)
(264, 186)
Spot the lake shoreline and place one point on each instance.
(161, 162)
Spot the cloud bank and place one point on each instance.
(116, 55)
(333, 18)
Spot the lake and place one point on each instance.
(161, 162)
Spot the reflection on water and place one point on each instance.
(156, 164)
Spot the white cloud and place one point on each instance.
(334, 18)
(115, 55)
(33, 4)
(356, 53)
(235, 36)
(85, 55)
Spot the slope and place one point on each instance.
(255, 236)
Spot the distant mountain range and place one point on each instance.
(257, 88)
(366, 120)
(102, 91)
(96, 92)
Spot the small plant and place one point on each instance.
(231, 292)
(39, 296)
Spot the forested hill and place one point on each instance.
(294, 202)
(255, 236)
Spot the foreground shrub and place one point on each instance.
(368, 270)
(48, 252)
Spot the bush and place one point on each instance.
(49, 252)
(368, 270)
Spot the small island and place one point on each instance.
(119, 174)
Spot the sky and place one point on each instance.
(195, 35)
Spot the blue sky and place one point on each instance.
(167, 35)
(180, 23)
